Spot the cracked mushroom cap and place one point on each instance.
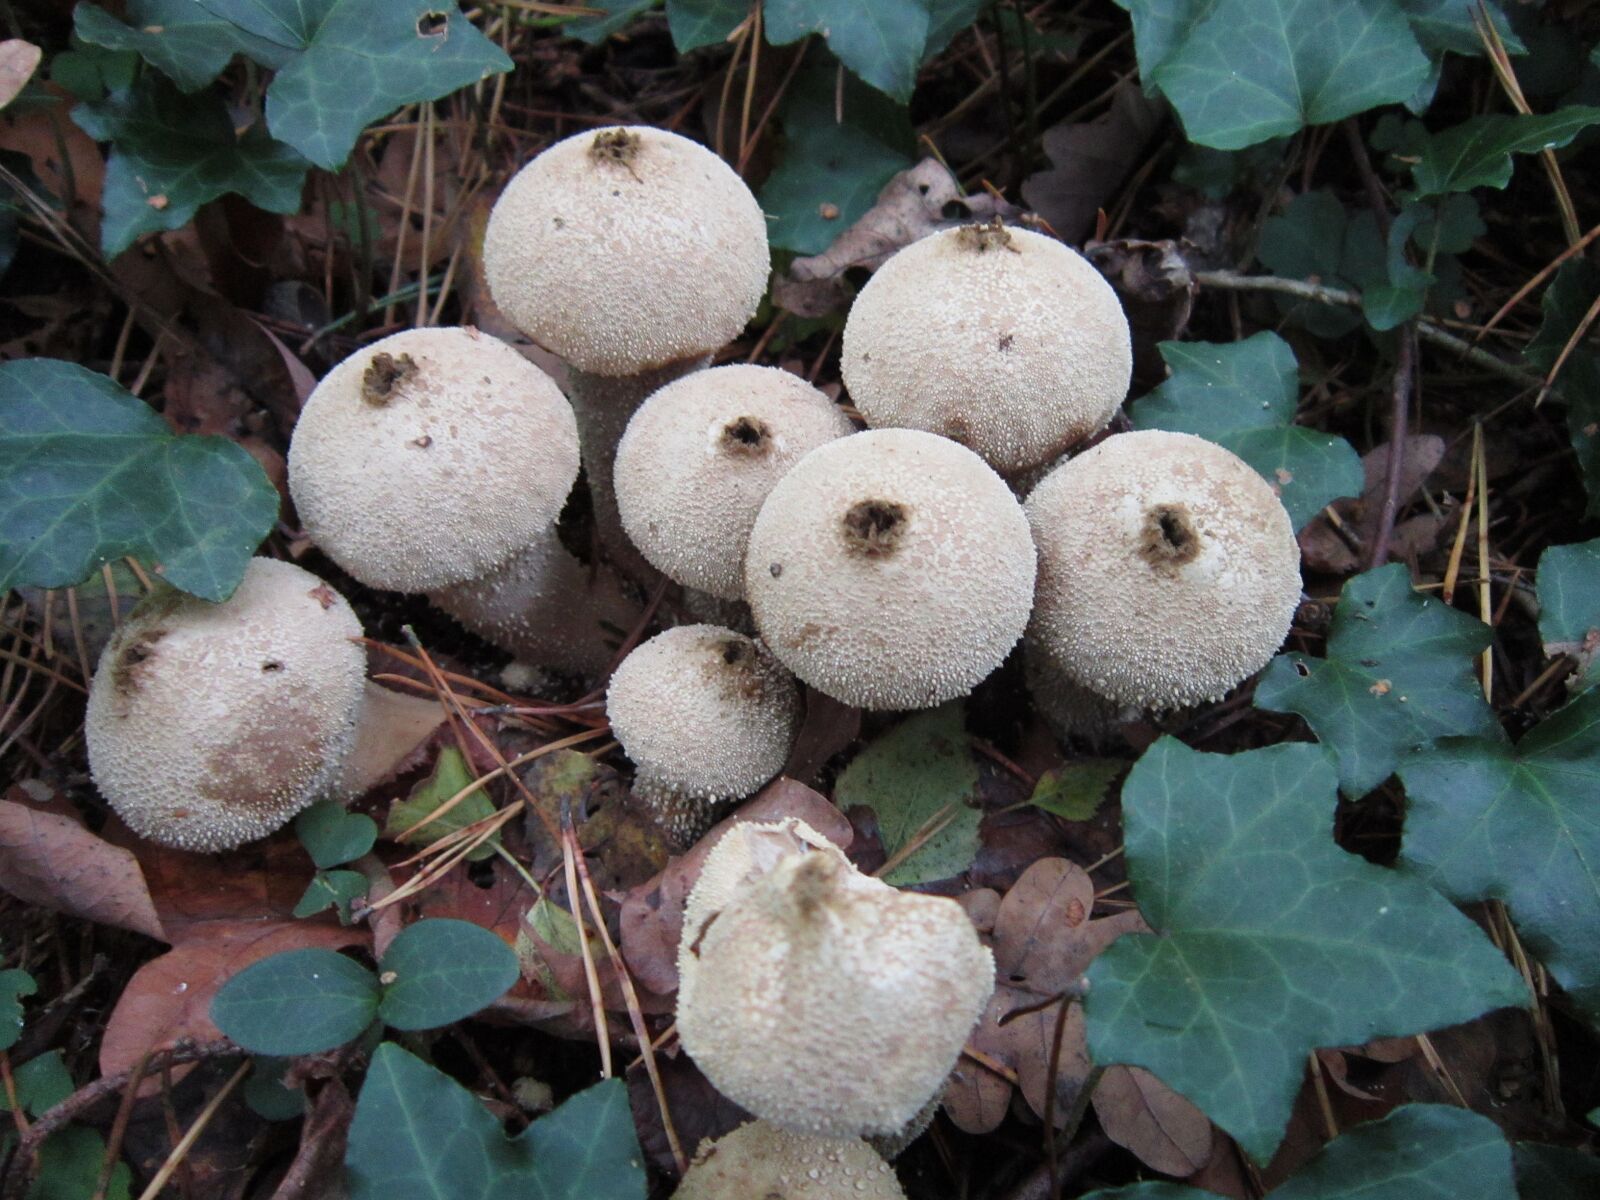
(1168, 569)
(761, 1161)
(1002, 339)
(699, 458)
(626, 249)
(824, 1000)
(430, 458)
(211, 725)
(890, 569)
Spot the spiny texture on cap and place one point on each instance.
(890, 569)
(1168, 570)
(431, 457)
(761, 1161)
(1070, 709)
(699, 458)
(210, 725)
(704, 713)
(827, 1002)
(1003, 339)
(625, 249)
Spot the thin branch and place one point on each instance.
(1399, 416)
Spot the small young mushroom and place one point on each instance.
(1003, 339)
(1168, 570)
(890, 569)
(762, 1161)
(707, 715)
(819, 998)
(699, 458)
(211, 725)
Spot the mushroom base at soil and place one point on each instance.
(391, 727)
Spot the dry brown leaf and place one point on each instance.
(1090, 159)
(1143, 1115)
(1324, 550)
(40, 132)
(1157, 289)
(18, 61)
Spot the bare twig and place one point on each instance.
(1394, 467)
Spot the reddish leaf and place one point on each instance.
(1142, 1114)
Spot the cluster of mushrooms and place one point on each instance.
(892, 568)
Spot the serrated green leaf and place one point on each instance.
(1477, 153)
(68, 1167)
(831, 167)
(438, 971)
(585, 1150)
(1397, 676)
(1076, 791)
(89, 473)
(350, 62)
(332, 889)
(14, 984)
(1484, 820)
(881, 42)
(333, 836)
(297, 1002)
(920, 770)
(171, 153)
(1555, 1172)
(42, 1083)
(1568, 582)
(1243, 396)
(448, 777)
(697, 23)
(1242, 71)
(179, 38)
(1269, 940)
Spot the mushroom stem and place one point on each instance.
(391, 727)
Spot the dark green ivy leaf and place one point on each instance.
(179, 38)
(614, 15)
(334, 836)
(438, 971)
(1555, 1173)
(697, 23)
(337, 890)
(14, 985)
(1568, 582)
(1269, 941)
(1477, 153)
(297, 1002)
(881, 42)
(1446, 25)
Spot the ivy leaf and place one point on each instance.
(1270, 940)
(171, 153)
(921, 771)
(1243, 395)
(1565, 303)
(1555, 1173)
(333, 836)
(612, 16)
(349, 62)
(438, 971)
(183, 41)
(449, 776)
(1446, 25)
(947, 18)
(1477, 152)
(1569, 606)
(1398, 674)
(1521, 825)
(881, 42)
(14, 985)
(297, 1002)
(89, 473)
(697, 23)
(68, 1167)
(337, 890)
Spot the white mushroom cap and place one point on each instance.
(1168, 569)
(625, 249)
(431, 457)
(700, 456)
(824, 1000)
(761, 1161)
(210, 725)
(1003, 339)
(890, 569)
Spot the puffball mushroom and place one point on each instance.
(1000, 338)
(211, 725)
(819, 998)
(761, 1161)
(707, 715)
(890, 569)
(1168, 570)
(699, 458)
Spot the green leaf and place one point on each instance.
(697, 23)
(585, 1150)
(42, 1083)
(14, 984)
(439, 971)
(1307, 241)
(69, 1167)
(1477, 153)
(449, 776)
(921, 769)
(1446, 25)
(267, 1095)
(1270, 941)
(349, 62)
(171, 153)
(333, 836)
(1242, 71)
(831, 167)
(613, 16)
(881, 42)
(1448, 224)
(1484, 820)
(1398, 675)
(1580, 388)
(89, 72)
(1555, 1173)
(1565, 303)
(297, 1002)
(179, 38)
(946, 19)
(332, 889)
(1568, 582)
(1076, 791)
(89, 473)
(1243, 396)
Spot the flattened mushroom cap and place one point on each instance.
(431, 457)
(626, 249)
(1168, 569)
(890, 569)
(700, 457)
(210, 725)
(761, 1161)
(1002, 339)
